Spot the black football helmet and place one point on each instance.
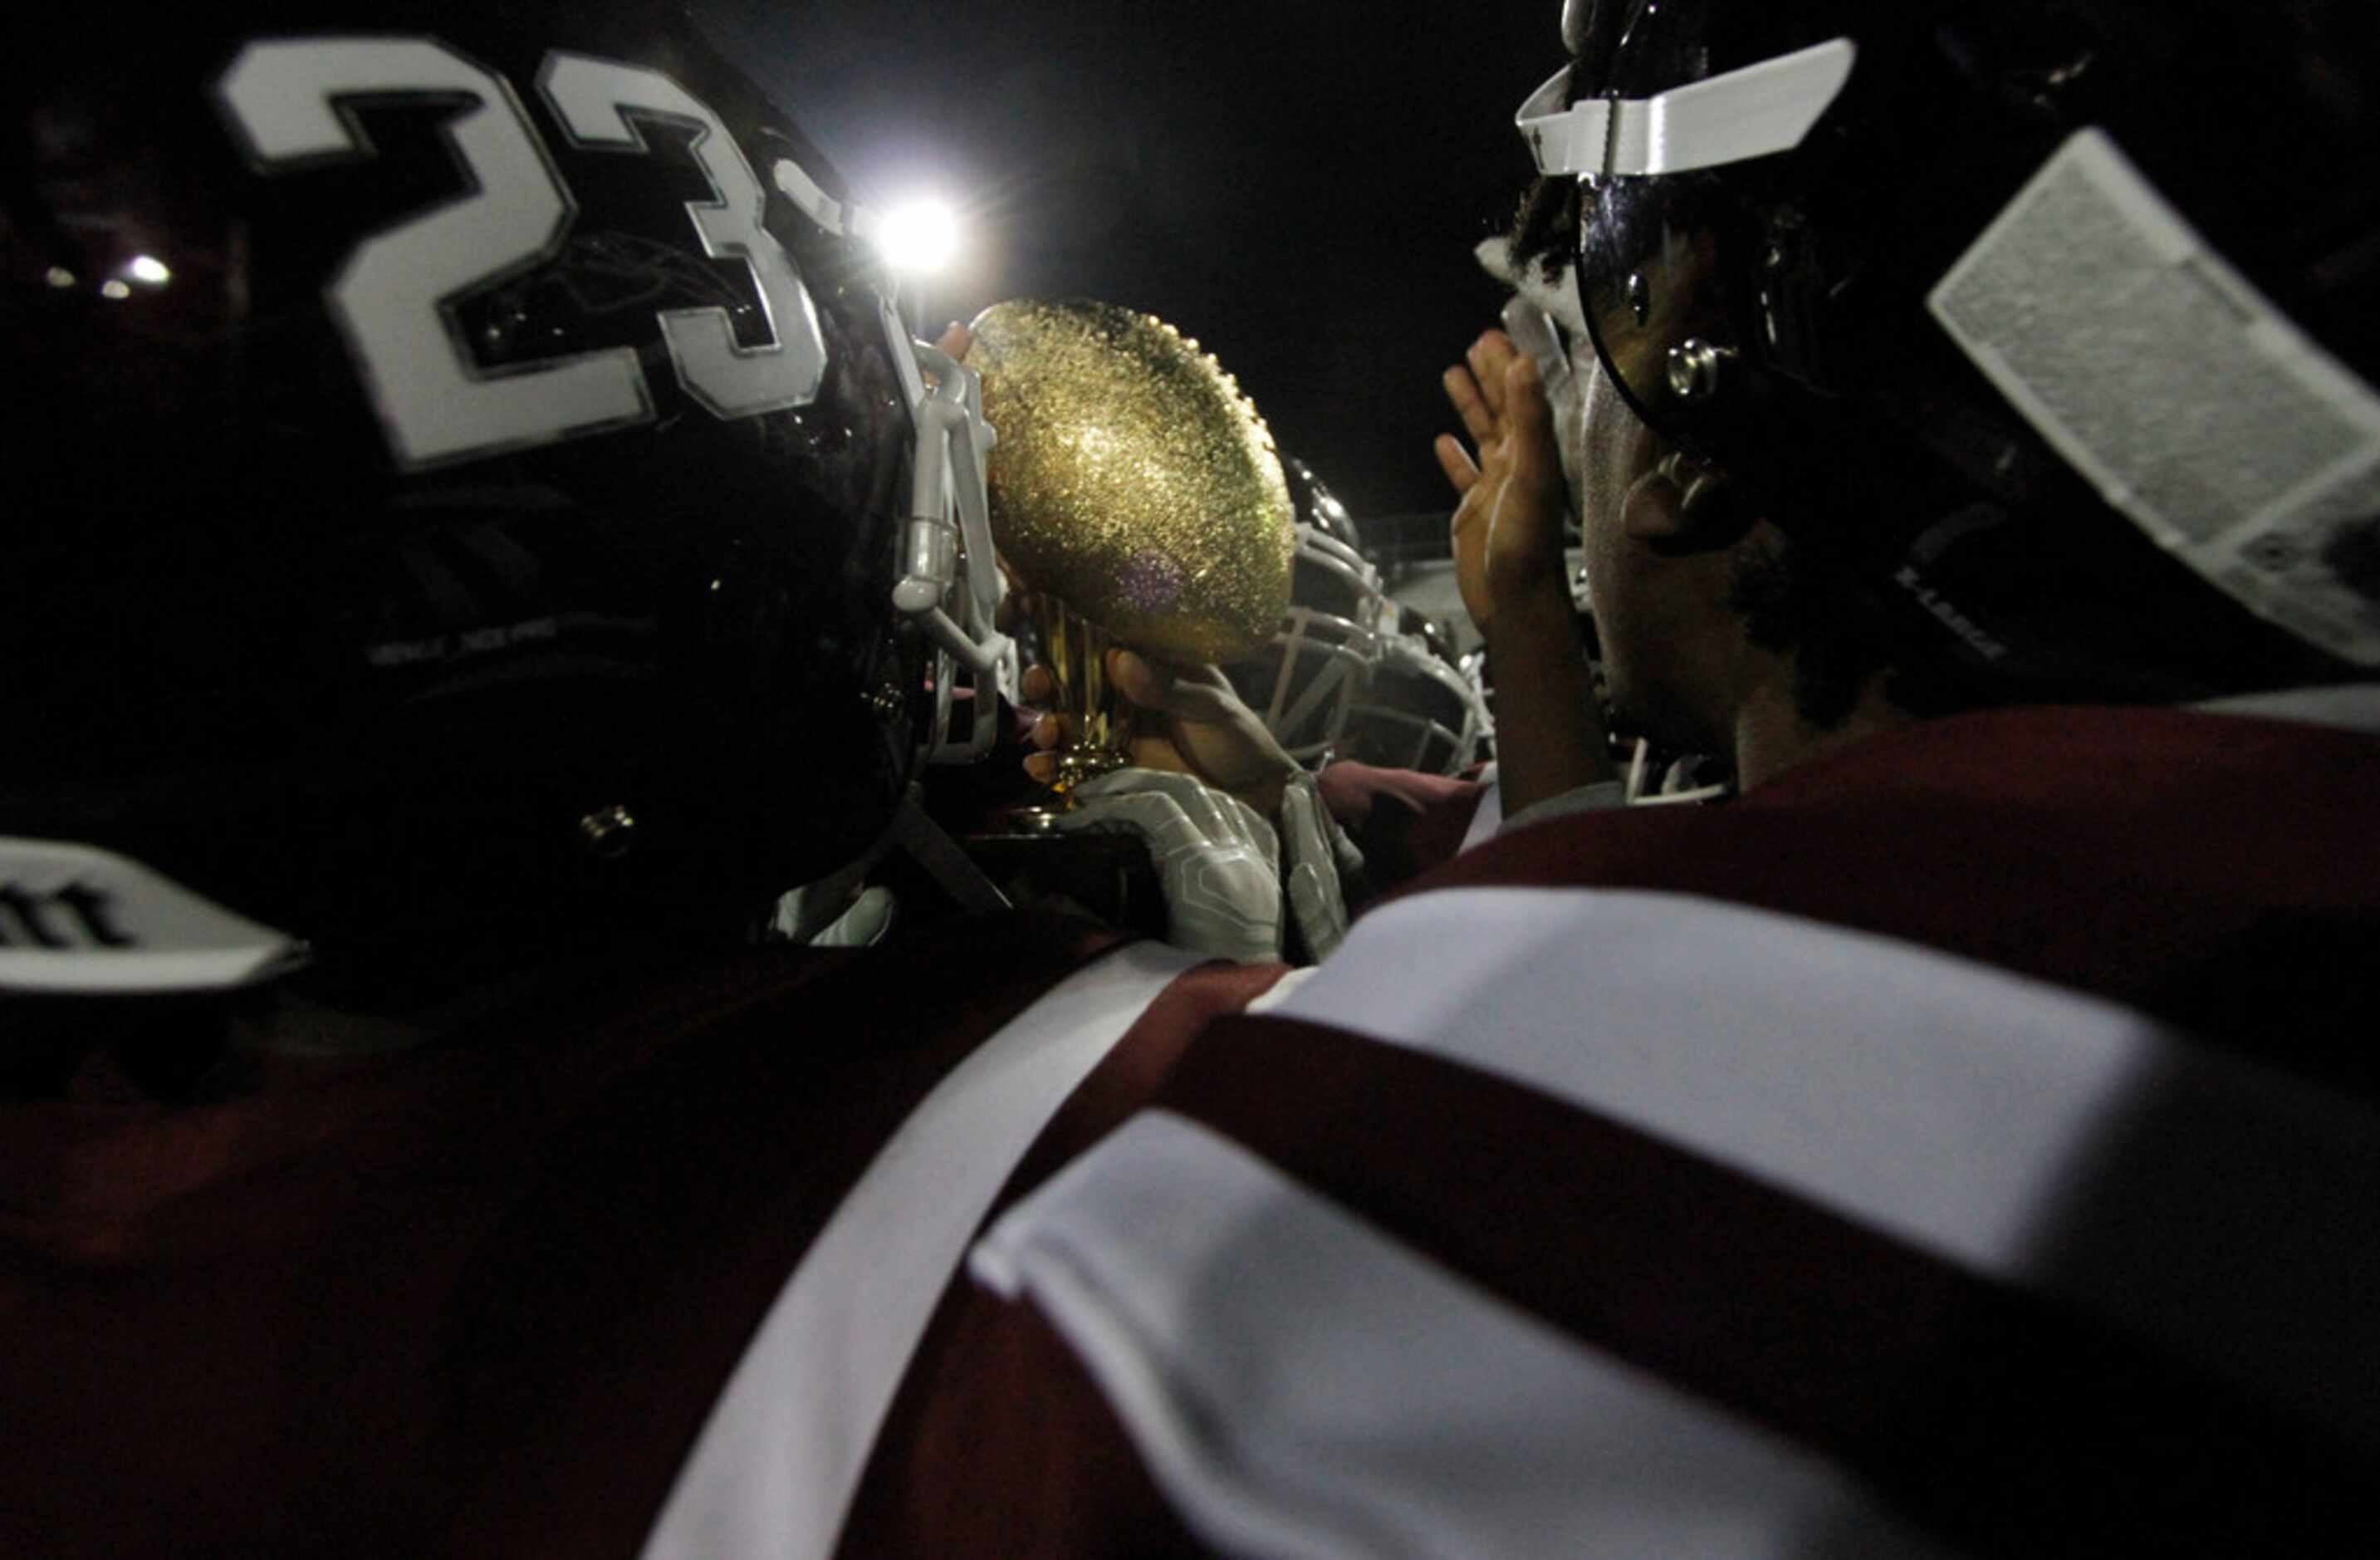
(459, 468)
(1420, 709)
(2054, 323)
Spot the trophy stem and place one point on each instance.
(1076, 649)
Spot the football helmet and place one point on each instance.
(461, 465)
(1317, 506)
(1418, 710)
(1306, 683)
(2052, 323)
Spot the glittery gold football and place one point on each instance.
(1132, 478)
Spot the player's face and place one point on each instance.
(1658, 615)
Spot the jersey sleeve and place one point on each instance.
(1730, 1230)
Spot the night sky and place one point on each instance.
(1298, 184)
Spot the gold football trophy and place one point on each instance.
(1135, 493)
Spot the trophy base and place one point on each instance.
(1075, 767)
(1078, 766)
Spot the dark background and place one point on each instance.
(1297, 184)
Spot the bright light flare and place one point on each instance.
(919, 237)
(148, 270)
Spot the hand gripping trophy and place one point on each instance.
(1137, 497)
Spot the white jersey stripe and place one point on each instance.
(1300, 1384)
(779, 1458)
(2019, 1128)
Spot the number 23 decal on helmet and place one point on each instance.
(392, 296)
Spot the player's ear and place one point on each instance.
(1698, 508)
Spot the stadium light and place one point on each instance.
(918, 237)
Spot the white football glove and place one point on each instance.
(1318, 852)
(1218, 860)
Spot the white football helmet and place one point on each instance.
(1306, 684)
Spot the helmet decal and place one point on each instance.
(2162, 374)
(394, 296)
(283, 99)
(593, 99)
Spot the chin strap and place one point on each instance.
(843, 909)
(78, 920)
(1636, 792)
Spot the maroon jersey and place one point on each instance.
(1403, 822)
(1965, 1142)
(482, 1297)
